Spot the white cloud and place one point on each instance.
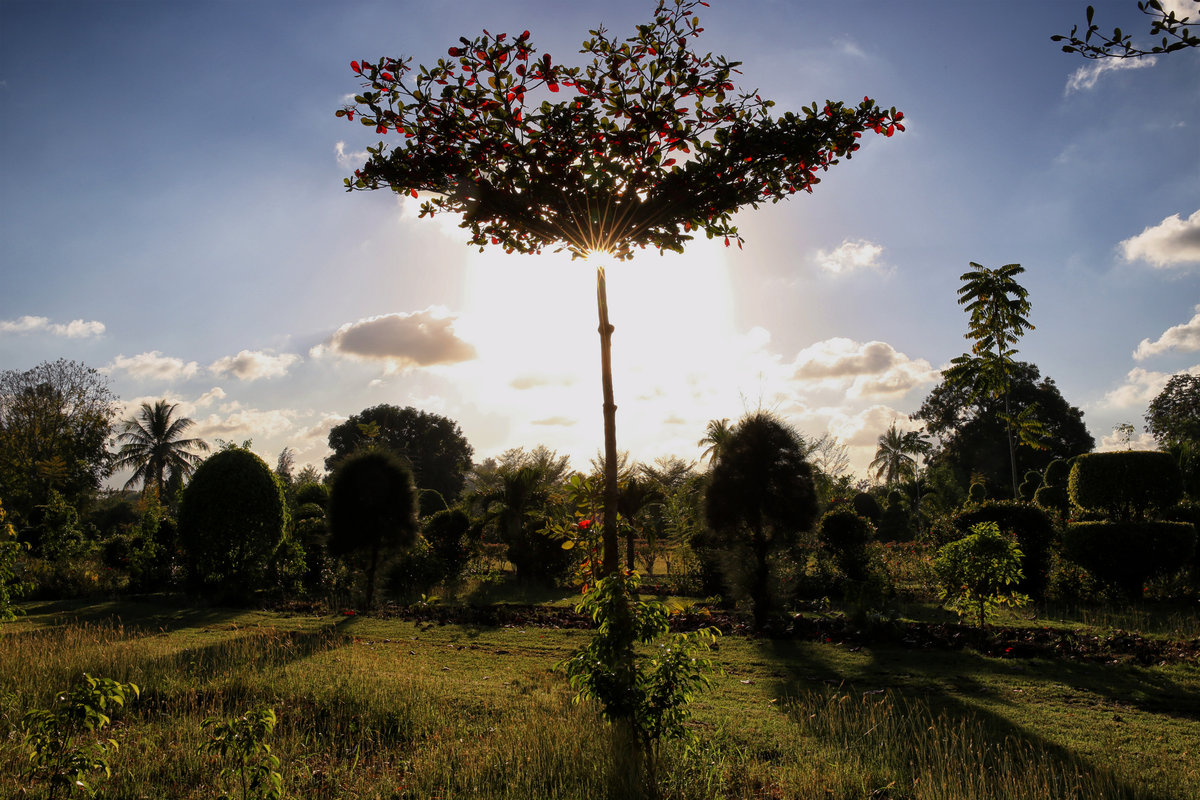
(75, 329)
(870, 370)
(245, 423)
(863, 429)
(556, 422)
(1171, 242)
(1141, 386)
(154, 366)
(355, 159)
(250, 365)
(1116, 441)
(537, 380)
(401, 341)
(850, 256)
(1085, 77)
(1184, 337)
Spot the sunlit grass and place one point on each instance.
(383, 708)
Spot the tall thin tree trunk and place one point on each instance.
(611, 550)
(1012, 450)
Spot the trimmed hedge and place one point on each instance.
(1127, 554)
(1125, 485)
(1033, 529)
(232, 519)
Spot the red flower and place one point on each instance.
(584, 524)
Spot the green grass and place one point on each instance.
(381, 708)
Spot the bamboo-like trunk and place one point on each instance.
(611, 551)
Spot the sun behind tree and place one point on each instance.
(652, 144)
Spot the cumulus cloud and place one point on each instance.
(75, 329)
(864, 428)
(1116, 441)
(850, 256)
(250, 365)
(1184, 337)
(1085, 77)
(245, 423)
(354, 159)
(153, 366)
(1140, 387)
(1172, 242)
(536, 381)
(400, 341)
(557, 422)
(871, 369)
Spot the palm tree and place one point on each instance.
(715, 436)
(151, 442)
(893, 461)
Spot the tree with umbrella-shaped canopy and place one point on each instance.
(645, 145)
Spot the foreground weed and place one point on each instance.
(242, 741)
(64, 742)
(645, 698)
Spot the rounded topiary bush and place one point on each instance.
(232, 518)
(865, 505)
(448, 534)
(1127, 554)
(316, 493)
(372, 511)
(1125, 485)
(847, 535)
(1033, 530)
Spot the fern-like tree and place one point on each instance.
(998, 306)
(153, 445)
(650, 144)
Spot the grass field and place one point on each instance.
(382, 708)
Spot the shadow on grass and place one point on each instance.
(944, 682)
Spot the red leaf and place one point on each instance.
(552, 87)
(381, 128)
(387, 76)
(668, 162)
(350, 115)
(413, 192)
(455, 51)
(354, 65)
(524, 36)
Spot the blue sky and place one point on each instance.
(172, 214)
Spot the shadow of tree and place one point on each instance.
(947, 682)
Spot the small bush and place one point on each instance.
(847, 534)
(977, 571)
(865, 505)
(1033, 529)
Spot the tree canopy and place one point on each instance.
(651, 142)
(55, 422)
(433, 446)
(1163, 20)
(970, 427)
(1174, 414)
